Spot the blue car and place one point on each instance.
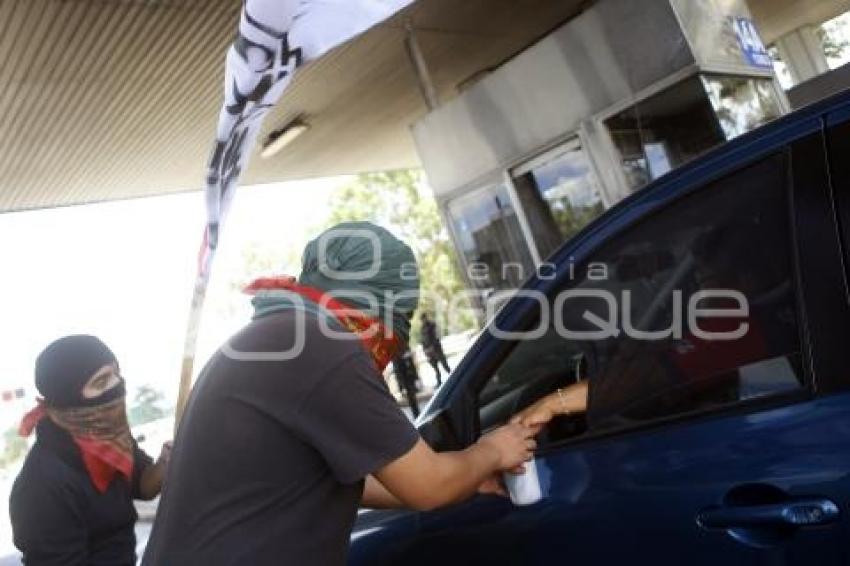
(710, 315)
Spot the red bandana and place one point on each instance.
(101, 433)
(372, 332)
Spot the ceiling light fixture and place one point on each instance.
(282, 137)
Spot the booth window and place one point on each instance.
(488, 233)
(664, 131)
(678, 124)
(741, 104)
(559, 194)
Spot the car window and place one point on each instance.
(839, 145)
(534, 369)
(721, 256)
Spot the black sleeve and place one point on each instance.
(141, 461)
(50, 526)
(351, 418)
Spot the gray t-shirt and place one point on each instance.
(269, 462)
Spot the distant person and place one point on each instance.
(72, 504)
(430, 335)
(291, 427)
(406, 375)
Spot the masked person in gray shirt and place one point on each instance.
(291, 426)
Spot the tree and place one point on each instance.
(147, 406)
(833, 36)
(259, 259)
(400, 201)
(14, 449)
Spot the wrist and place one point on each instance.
(558, 403)
(489, 454)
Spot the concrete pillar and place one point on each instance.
(802, 51)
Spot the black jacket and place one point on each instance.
(429, 334)
(58, 516)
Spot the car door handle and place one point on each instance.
(797, 513)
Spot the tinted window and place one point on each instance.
(534, 369)
(839, 146)
(731, 238)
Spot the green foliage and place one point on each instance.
(259, 259)
(14, 449)
(570, 219)
(147, 406)
(835, 43)
(270, 258)
(400, 201)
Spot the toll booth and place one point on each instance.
(621, 94)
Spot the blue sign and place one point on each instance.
(754, 51)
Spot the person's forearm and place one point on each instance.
(150, 484)
(569, 400)
(458, 475)
(423, 479)
(376, 496)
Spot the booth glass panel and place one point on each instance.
(664, 131)
(742, 103)
(487, 231)
(559, 195)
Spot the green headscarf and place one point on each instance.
(356, 258)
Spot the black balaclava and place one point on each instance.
(66, 365)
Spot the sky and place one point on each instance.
(124, 271)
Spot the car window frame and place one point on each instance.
(839, 172)
(589, 244)
(826, 275)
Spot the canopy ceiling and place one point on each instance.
(112, 99)
(776, 18)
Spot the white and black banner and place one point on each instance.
(275, 39)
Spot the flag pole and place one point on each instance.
(191, 343)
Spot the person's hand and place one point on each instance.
(572, 399)
(165, 454)
(538, 414)
(153, 476)
(513, 443)
(493, 486)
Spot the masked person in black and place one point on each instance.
(406, 376)
(72, 504)
(430, 338)
(291, 426)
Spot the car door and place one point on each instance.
(703, 451)
(694, 449)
